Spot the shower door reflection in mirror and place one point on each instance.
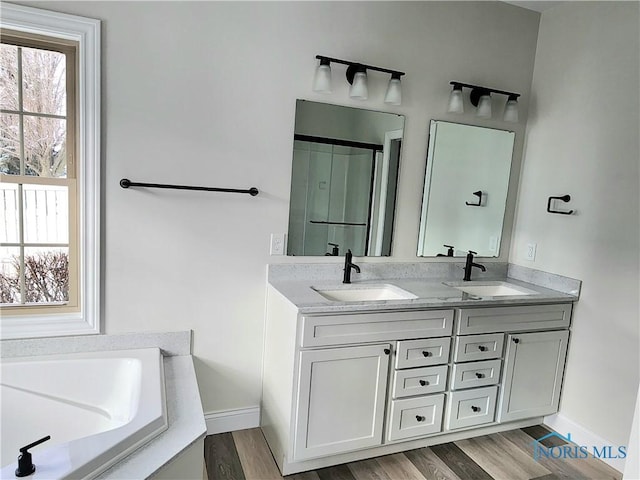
(343, 184)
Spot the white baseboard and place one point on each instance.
(231, 420)
(582, 436)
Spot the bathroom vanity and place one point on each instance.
(425, 363)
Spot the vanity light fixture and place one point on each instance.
(480, 97)
(357, 78)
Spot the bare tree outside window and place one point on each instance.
(34, 214)
(44, 92)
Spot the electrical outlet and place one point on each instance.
(530, 252)
(277, 244)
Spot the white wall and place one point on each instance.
(204, 93)
(582, 140)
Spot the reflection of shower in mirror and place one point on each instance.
(344, 180)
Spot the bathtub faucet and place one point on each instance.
(25, 464)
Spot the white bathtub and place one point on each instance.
(98, 408)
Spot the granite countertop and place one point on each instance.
(429, 292)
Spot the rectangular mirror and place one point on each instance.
(465, 190)
(344, 180)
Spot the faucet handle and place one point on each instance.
(472, 252)
(25, 462)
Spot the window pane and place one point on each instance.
(45, 147)
(43, 81)
(8, 77)
(9, 275)
(46, 275)
(9, 213)
(9, 144)
(46, 214)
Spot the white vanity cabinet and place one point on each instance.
(348, 385)
(342, 390)
(534, 367)
(341, 399)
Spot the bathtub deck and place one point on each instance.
(244, 455)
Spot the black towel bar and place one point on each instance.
(126, 183)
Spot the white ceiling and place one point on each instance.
(538, 6)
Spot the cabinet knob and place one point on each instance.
(516, 340)
(475, 409)
(479, 375)
(426, 353)
(482, 348)
(420, 418)
(387, 351)
(424, 382)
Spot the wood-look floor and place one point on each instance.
(244, 455)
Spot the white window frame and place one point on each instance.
(86, 32)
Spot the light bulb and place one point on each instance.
(359, 88)
(322, 78)
(456, 102)
(511, 109)
(484, 106)
(394, 91)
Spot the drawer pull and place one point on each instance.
(482, 348)
(420, 418)
(474, 408)
(426, 353)
(387, 351)
(479, 375)
(516, 340)
(424, 383)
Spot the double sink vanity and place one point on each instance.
(407, 356)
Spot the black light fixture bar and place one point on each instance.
(485, 89)
(395, 73)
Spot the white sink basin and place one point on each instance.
(492, 289)
(364, 293)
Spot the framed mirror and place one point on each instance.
(344, 180)
(465, 190)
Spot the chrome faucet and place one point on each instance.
(348, 265)
(470, 264)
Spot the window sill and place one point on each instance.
(46, 326)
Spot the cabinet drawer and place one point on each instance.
(475, 374)
(511, 319)
(471, 407)
(423, 352)
(419, 381)
(320, 330)
(478, 347)
(415, 417)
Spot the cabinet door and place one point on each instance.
(341, 399)
(533, 369)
